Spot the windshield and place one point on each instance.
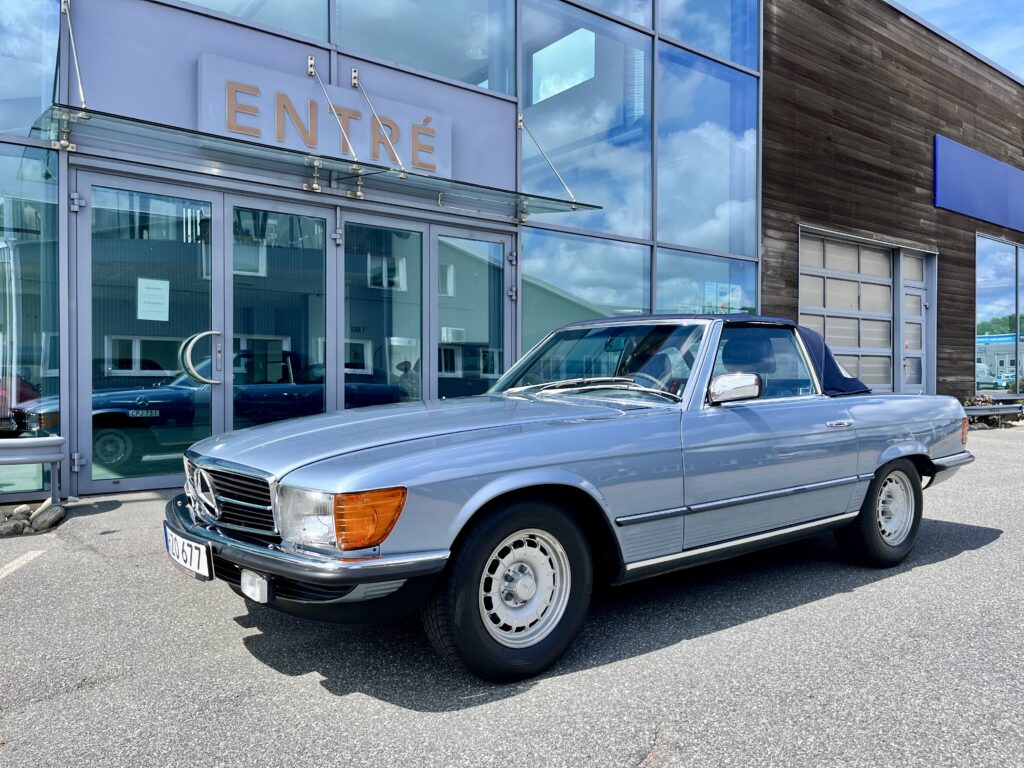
(654, 357)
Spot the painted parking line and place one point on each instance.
(14, 565)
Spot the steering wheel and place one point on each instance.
(654, 382)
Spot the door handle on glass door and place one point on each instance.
(185, 356)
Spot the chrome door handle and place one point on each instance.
(185, 356)
(839, 424)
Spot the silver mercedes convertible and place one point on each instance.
(613, 451)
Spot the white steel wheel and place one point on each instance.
(895, 507)
(514, 595)
(524, 588)
(890, 517)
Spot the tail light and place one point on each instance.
(964, 422)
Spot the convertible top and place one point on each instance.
(834, 381)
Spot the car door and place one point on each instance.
(785, 458)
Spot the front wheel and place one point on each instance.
(886, 529)
(515, 595)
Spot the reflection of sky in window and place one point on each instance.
(565, 63)
(637, 11)
(707, 154)
(725, 28)
(568, 278)
(692, 283)
(597, 131)
(29, 31)
(995, 277)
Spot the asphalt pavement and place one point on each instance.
(111, 656)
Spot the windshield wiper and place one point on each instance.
(572, 383)
(632, 387)
(598, 382)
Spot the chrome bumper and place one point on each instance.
(309, 568)
(947, 466)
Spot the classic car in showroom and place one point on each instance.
(129, 423)
(613, 451)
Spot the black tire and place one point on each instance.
(454, 614)
(874, 540)
(117, 446)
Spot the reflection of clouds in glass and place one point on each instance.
(726, 29)
(601, 273)
(707, 180)
(637, 11)
(996, 277)
(598, 130)
(29, 31)
(694, 283)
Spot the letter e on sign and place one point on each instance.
(234, 108)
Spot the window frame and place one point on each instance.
(135, 370)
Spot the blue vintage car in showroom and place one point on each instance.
(131, 422)
(613, 451)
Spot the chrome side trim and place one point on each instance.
(647, 517)
(741, 542)
(736, 500)
(956, 460)
(866, 476)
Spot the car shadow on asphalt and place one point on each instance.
(395, 663)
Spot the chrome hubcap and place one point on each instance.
(524, 588)
(895, 509)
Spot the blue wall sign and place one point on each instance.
(974, 184)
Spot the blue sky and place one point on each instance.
(994, 28)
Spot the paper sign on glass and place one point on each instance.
(154, 300)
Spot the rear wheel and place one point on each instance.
(515, 595)
(113, 447)
(884, 532)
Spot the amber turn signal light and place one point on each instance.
(365, 519)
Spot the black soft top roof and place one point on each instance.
(834, 381)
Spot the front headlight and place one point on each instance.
(347, 521)
(306, 517)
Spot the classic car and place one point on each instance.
(129, 422)
(614, 450)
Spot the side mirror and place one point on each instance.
(733, 387)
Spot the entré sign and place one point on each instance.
(242, 101)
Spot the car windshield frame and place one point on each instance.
(589, 384)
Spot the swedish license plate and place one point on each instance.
(193, 558)
(144, 414)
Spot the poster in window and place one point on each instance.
(154, 300)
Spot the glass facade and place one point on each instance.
(707, 154)
(472, 41)
(30, 331)
(636, 11)
(1000, 288)
(301, 17)
(568, 278)
(727, 29)
(29, 32)
(587, 99)
(692, 283)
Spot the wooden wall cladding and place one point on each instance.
(854, 93)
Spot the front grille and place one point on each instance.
(243, 501)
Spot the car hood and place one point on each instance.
(287, 445)
(48, 404)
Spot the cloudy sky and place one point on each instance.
(994, 28)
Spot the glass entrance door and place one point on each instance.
(471, 329)
(914, 342)
(148, 282)
(205, 313)
(279, 312)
